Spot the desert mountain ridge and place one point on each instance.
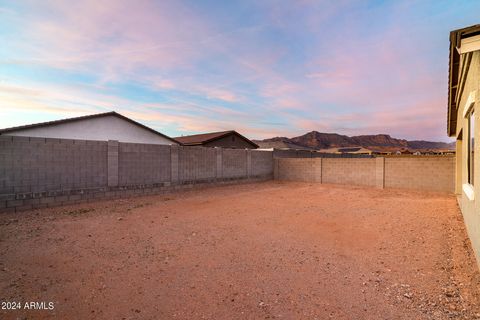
(315, 140)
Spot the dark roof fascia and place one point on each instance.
(453, 77)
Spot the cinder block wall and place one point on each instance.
(234, 163)
(422, 173)
(307, 170)
(196, 164)
(35, 164)
(418, 173)
(143, 164)
(261, 163)
(349, 171)
(39, 172)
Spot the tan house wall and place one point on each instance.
(470, 208)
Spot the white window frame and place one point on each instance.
(468, 112)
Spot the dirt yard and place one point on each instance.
(258, 251)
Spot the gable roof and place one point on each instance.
(203, 138)
(453, 73)
(92, 116)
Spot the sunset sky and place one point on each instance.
(264, 68)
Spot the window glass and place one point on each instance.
(471, 146)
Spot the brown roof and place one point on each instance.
(203, 138)
(453, 73)
(98, 115)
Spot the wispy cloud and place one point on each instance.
(266, 68)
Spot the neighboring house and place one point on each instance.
(349, 150)
(445, 152)
(265, 145)
(438, 152)
(224, 139)
(403, 151)
(378, 152)
(463, 124)
(355, 150)
(101, 127)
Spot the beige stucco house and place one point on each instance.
(463, 123)
(101, 127)
(224, 139)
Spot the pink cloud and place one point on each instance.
(113, 36)
(348, 81)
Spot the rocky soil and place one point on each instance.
(272, 250)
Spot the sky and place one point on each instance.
(264, 68)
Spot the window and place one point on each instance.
(471, 145)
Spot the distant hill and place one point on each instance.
(315, 140)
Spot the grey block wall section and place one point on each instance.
(143, 164)
(174, 164)
(249, 162)
(197, 164)
(261, 163)
(219, 163)
(234, 163)
(40, 165)
(112, 163)
(39, 172)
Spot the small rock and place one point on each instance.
(120, 219)
(408, 295)
(450, 294)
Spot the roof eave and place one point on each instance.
(92, 116)
(454, 58)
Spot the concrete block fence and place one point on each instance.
(416, 173)
(44, 172)
(39, 172)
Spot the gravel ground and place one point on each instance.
(273, 250)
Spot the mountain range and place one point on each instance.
(315, 140)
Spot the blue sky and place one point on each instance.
(264, 68)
